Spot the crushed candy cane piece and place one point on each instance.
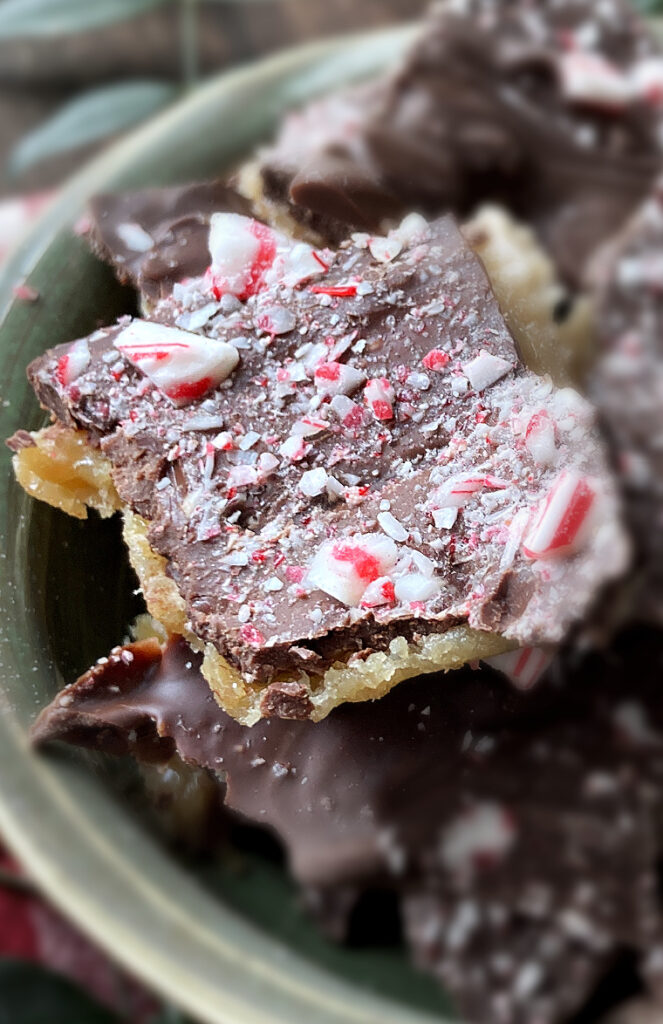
(337, 379)
(436, 359)
(294, 448)
(183, 366)
(647, 80)
(349, 413)
(384, 250)
(300, 262)
(276, 320)
(379, 593)
(242, 250)
(379, 396)
(479, 837)
(416, 586)
(344, 568)
(540, 438)
(589, 78)
(558, 528)
(392, 527)
(485, 369)
(73, 363)
(524, 666)
(457, 490)
(134, 237)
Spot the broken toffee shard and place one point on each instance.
(350, 475)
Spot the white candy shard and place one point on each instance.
(523, 667)
(457, 490)
(416, 587)
(392, 527)
(378, 593)
(484, 833)
(313, 482)
(344, 568)
(134, 237)
(588, 78)
(183, 366)
(540, 438)
(384, 250)
(294, 448)
(485, 369)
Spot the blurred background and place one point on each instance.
(74, 73)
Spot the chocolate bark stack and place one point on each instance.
(341, 482)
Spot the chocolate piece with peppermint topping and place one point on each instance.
(157, 236)
(626, 384)
(337, 488)
(552, 109)
(500, 818)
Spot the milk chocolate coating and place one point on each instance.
(476, 113)
(393, 794)
(176, 220)
(433, 295)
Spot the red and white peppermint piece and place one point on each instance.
(647, 80)
(480, 837)
(294, 448)
(436, 359)
(300, 262)
(344, 568)
(590, 79)
(242, 251)
(337, 379)
(183, 366)
(485, 369)
(560, 523)
(73, 363)
(349, 413)
(276, 320)
(457, 490)
(308, 426)
(379, 396)
(523, 667)
(378, 593)
(540, 438)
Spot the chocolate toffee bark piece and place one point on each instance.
(551, 109)
(347, 467)
(521, 829)
(626, 383)
(155, 237)
(498, 966)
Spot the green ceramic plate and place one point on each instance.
(228, 946)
